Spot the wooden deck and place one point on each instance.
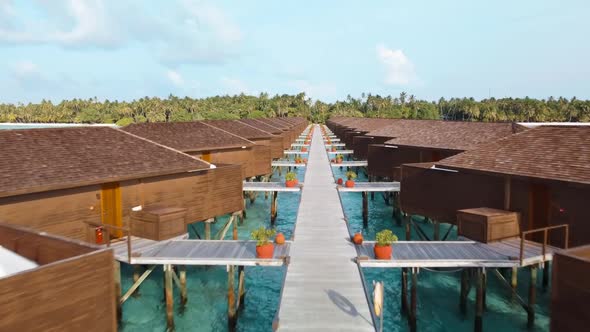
(323, 290)
(294, 152)
(351, 163)
(286, 163)
(196, 252)
(371, 187)
(334, 145)
(343, 152)
(504, 253)
(270, 186)
(299, 145)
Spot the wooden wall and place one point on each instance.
(360, 145)
(262, 159)
(439, 194)
(570, 290)
(71, 290)
(239, 156)
(276, 147)
(73, 212)
(386, 160)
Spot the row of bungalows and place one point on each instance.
(69, 181)
(354, 132)
(286, 131)
(415, 141)
(543, 173)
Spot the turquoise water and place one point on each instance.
(438, 292)
(206, 309)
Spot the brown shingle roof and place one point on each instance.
(35, 160)
(275, 123)
(554, 153)
(448, 135)
(262, 126)
(188, 136)
(239, 128)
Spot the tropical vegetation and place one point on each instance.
(174, 108)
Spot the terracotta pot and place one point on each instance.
(338, 160)
(305, 160)
(280, 238)
(333, 149)
(290, 184)
(349, 184)
(340, 182)
(265, 251)
(296, 181)
(357, 238)
(303, 149)
(332, 160)
(382, 252)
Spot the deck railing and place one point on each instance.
(107, 228)
(545, 231)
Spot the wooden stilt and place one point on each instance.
(183, 291)
(136, 274)
(117, 276)
(404, 299)
(436, 234)
(514, 279)
(365, 209)
(408, 229)
(235, 229)
(479, 302)
(169, 297)
(414, 300)
(532, 297)
(231, 299)
(207, 230)
(372, 179)
(484, 288)
(545, 275)
(464, 291)
(280, 170)
(244, 211)
(273, 208)
(241, 286)
(252, 196)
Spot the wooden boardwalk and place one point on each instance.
(371, 187)
(270, 186)
(504, 253)
(181, 251)
(323, 290)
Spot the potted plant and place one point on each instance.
(339, 159)
(350, 175)
(339, 181)
(333, 149)
(357, 238)
(264, 246)
(384, 240)
(298, 160)
(304, 149)
(290, 179)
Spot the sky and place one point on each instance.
(128, 49)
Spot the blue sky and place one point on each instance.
(110, 49)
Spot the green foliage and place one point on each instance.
(242, 106)
(350, 175)
(385, 237)
(262, 235)
(290, 176)
(124, 122)
(341, 157)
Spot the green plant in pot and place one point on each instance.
(384, 240)
(290, 179)
(339, 159)
(350, 175)
(264, 245)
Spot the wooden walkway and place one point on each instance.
(342, 152)
(371, 187)
(323, 290)
(270, 186)
(286, 163)
(181, 251)
(504, 253)
(351, 163)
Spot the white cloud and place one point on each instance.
(399, 70)
(175, 78)
(322, 91)
(186, 32)
(25, 68)
(234, 86)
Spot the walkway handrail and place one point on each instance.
(117, 228)
(545, 231)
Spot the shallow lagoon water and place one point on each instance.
(438, 292)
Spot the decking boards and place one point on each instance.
(197, 252)
(352, 163)
(270, 186)
(371, 187)
(323, 288)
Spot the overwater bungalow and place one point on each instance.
(542, 173)
(71, 181)
(277, 133)
(355, 132)
(203, 141)
(49, 283)
(261, 151)
(415, 141)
